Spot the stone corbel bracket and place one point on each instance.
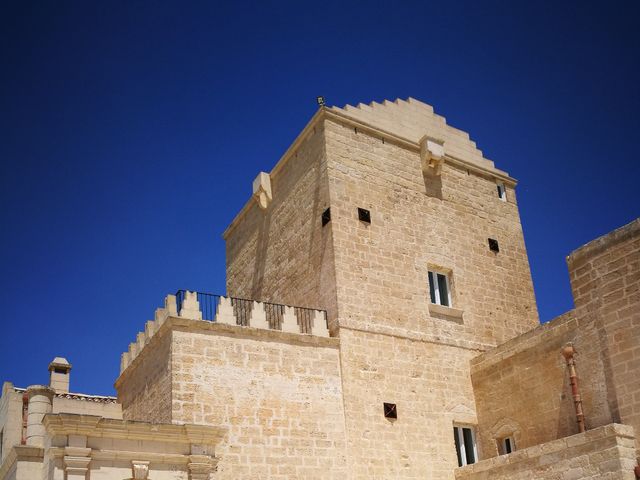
(431, 155)
(140, 469)
(262, 190)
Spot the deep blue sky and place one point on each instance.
(131, 133)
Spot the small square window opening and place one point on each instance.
(493, 245)
(502, 192)
(439, 290)
(364, 215)
(390, 410)
(326, 216)
(506, 445)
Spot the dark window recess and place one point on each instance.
(493, 245)
(507, 446)
(465, 446)
(432, 289)
(468, 443)
(326, 216)
(59, 370)
(364, 215)
(390, 410)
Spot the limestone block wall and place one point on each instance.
(107, 407)
(282, 254)
(381, 268)
(144, 389)
(430, 385)
(522, 388)
(605, 281)
(372, 158)
(276, 393)
(279, 395)
(603, 453)
(394, 342)
(10, 418)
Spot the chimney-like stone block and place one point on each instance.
(59, 375)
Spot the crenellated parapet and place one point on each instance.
(237, 312)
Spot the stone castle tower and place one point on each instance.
(379, 323)
(431, 203)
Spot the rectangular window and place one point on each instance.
(465, 445)
(502, 192)
(439, 288)
(507, 445)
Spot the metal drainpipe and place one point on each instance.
(568, 352)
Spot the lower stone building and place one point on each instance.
(391, 333)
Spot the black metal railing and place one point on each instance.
(243, 310)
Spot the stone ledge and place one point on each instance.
(21, 453)
(101, 427)
(413, 335)
(450, 312)
(186, 324)
(612, 437)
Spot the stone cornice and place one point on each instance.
(94, 426)
(415, 146)
(325, 113)
(413, 335)
(128, 455)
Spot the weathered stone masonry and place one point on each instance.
(380, 262)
